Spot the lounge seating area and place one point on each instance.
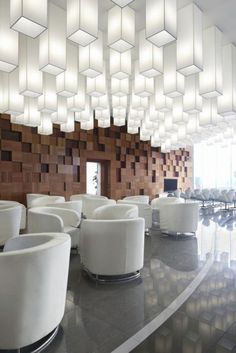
(117, 176)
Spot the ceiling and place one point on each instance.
(219, 12)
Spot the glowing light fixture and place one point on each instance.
(210, 80)
(227, 102)
(77, 103)
(143, 86)
(173, 80)
(192, 101)
(60, 117)
(8, 40)
(29, 17)
(30, 77)
(69, 126)
(161, 18)
(122, 3)
(52, 48)
(4, 89)
(91, 58)
(31, 113)
(119, 87)
(15, 104)
(120, 64)
(46, 126)
(121, 28)
(47, 102)
(82, 21)
(150, 57)
(67, 81)
(97, 86)
(189, 42)
(162, 102)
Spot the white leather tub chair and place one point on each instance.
(33, 276)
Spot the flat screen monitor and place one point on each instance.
(170, 185)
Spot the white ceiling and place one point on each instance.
(219, 12)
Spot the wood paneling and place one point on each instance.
(56, 164)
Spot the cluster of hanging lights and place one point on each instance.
(172, 82)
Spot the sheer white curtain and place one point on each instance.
(215, 166)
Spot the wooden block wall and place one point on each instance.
(56, 164)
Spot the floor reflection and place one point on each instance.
(101, 317)
(206, 323)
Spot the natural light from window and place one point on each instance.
(214, 166)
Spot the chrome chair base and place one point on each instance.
(38, 346)
(112, 279)
(179, 236)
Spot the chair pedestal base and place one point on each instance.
(179, 235)
(112, 279)
(38, 346)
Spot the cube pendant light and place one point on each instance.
(150, 57)
(47, 102)
(122, 3)
(210, 80)
(46, 126)
(161, 21)
(67, 81)
(29, 17)
(82, 21)
(227, 102)
(52, 45)
(30, 77)
(121, 28)
(120, 64)
(189, 40)
(8, 40)
(173, 80)
(91, 58)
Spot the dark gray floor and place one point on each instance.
(99, 318)
(206, 323)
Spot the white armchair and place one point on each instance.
(52, 219)
(138, 198)
(112, 249)
(33, 277)
(81, 196)
(179, 218)
(10, 220)
(144, 211)
(89, 204)
(157, 204)
(115, 212)
(31, 197)
(6, 203)
(69, 205)
(46, 200)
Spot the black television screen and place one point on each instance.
(170, 185)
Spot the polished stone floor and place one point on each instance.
(206, 322)
(100, 318)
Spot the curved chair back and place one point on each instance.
(33, 276)
(138, 198)
(31, 197)
(82, 196)
(69, 205)
(10, 219)
(115, 212)
(112, 247)
(53, 219)
(182, 217)
(144, 211)
(89, 204)
(158, 202)
(46, 200)
(4, 203)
